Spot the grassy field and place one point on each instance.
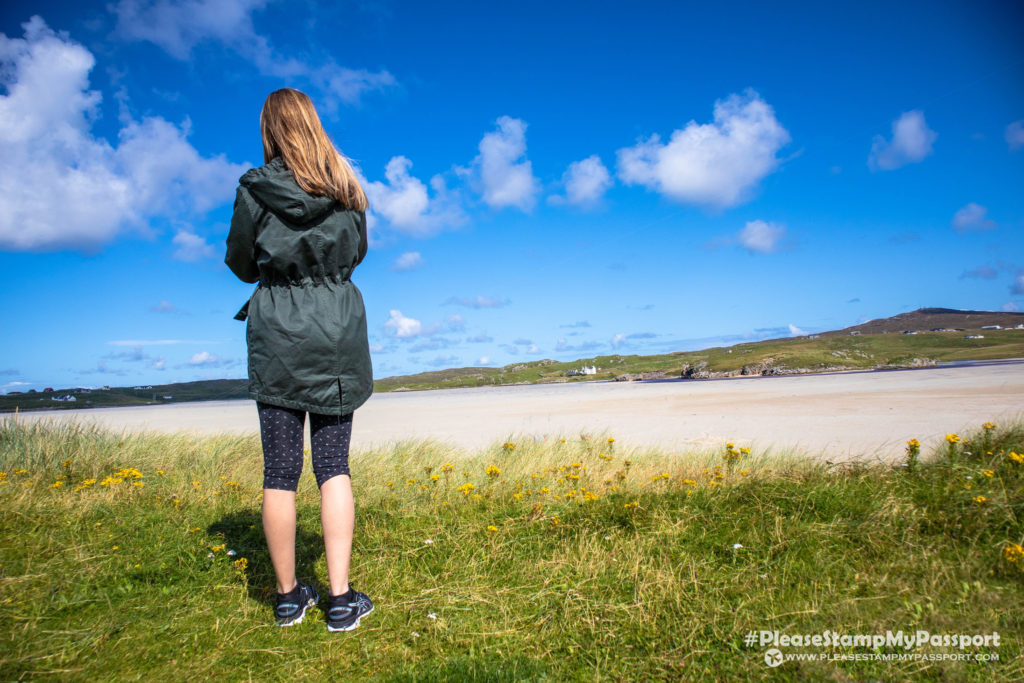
(574, 559)
(862, 352)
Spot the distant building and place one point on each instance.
(31, 391)
(106, 387)
(1019, 327)
(974, 336)
(65, 397)
(585, 370)
(168, 397)
(48, 389)
(855, 333)
(909, 331)
(991, 327)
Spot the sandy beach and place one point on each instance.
(835, 416)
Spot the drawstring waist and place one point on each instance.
(243, 312)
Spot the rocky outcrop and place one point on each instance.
(634, 376)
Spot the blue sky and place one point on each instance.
(547, 180)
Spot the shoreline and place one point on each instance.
(837, 416)
(661, 380)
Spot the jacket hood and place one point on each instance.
(274, 186)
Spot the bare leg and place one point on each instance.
(279, 528)
(337, 515)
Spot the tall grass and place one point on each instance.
(578, 558)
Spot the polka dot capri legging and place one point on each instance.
(281, 433)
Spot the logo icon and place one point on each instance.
(773, 657)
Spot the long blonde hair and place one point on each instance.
(292, 130)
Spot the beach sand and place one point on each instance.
(834, 416)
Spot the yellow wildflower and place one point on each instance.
(1016, 457)
(447, 467)
(744, 473)
(477, 496)
(952, 438)
(57, 484)
(241, 564)
(218, 548)
(988, 426)
(1013, 552)
(492, 528)
(634, 504)
(979, 499)
(435, 477)
(466, 488)
(492, 471)
(988, 473)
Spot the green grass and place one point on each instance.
(644, 582)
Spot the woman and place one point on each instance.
(299, 229)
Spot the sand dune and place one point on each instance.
(834, 416)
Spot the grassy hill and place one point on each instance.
(874, 344)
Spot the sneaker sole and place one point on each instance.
(353, 627)
(302, 615)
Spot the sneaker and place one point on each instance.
(291, 607)
(344, 613)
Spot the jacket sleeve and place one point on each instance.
(363, 243)
(241, 242)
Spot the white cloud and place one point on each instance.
(617, 340)
(404, 201)
(164, 306)
(1011, 307)
(204, 358)
(410, 260)
(192, 247)
(760, 236)
(178, 26)
(45, 122)
(796, 331)
(403, 327)
(971, 218)
(484, 360)
(532, 348)
(715, 164)
(1018, 284)
(478, 302)
(1015, 135)
(585, 183)
(158, 363)
(911, 142)
(503, 174)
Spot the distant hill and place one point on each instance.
(870, 345)
(926, 319)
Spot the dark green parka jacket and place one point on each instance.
(306, 328)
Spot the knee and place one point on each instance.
(329, 469)
(281, 476)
